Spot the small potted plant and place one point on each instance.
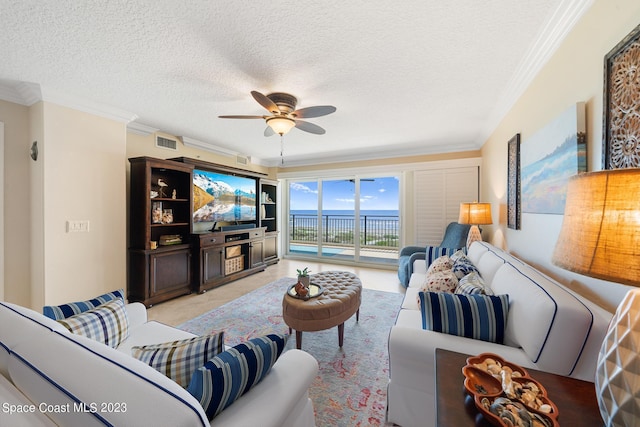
(303, 276)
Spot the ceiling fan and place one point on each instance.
(284, 116)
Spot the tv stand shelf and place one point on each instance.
(158, 272)
(223, 256)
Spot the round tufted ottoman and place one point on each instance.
(337, 303)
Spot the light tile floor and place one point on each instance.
(179, 310)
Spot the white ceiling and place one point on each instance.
(407, 77)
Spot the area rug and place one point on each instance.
(351, 386)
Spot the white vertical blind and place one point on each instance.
(437, 197)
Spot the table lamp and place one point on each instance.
(476, 214)
(600, 237)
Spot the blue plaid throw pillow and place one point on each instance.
(179, 359)
(108, 323)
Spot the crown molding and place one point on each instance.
(205, 146)
(27, 94)
(141, 129)
(549, 38)
(22, 93)
(87, 106)
(371, 154)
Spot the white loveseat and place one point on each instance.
(549, 328)
(49, 376)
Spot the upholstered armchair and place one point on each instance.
(455, 237)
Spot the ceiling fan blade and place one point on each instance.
(265, 102)
(241, 117)
(310, 127)
(269, 132)
(318, 111)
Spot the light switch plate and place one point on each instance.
(78, 226)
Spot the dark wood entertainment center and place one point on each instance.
(224, 256)
(167, 257)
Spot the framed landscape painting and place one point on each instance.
(549, 158)
(513, 187)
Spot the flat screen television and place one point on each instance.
(220, 197)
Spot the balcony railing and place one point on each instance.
(379, 231)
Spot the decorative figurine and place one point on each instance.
(301, 290)
(162, 184)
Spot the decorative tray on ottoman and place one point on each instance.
(314, 291)
(505, 393)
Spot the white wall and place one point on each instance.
(574, 73)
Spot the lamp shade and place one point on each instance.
(600, 235)
(281, 125)
(475, 213)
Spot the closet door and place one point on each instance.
(437, 197)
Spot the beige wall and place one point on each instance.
(17, 202)
(82, 178)
(573, 74)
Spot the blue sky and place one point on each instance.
(378, 194)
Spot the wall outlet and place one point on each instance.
(78, 226)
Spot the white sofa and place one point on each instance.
(549, 328)
(70, 380)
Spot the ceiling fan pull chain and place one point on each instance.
(281, 149)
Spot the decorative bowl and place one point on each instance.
(494, 395)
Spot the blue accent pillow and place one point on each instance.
(463, 266)
(435, 252)
(57, 312)
(472, 283)
(229, 375)
(481, 317)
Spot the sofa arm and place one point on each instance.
(416, 257)
(137, 314)
(409, 250)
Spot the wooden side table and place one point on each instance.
(575, 399)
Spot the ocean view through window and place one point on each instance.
(356, 219)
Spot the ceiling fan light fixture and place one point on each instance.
(281, 125)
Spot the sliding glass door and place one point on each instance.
(349, 219)
(379, 219)
(338, 223)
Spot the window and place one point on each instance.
(347, 219)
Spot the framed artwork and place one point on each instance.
(549, 158)
(621, 127)
(513, 183)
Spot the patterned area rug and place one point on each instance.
(351, 387)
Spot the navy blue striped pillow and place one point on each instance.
(435, 252)
(229, 375)
(481, 317)
(58, 312)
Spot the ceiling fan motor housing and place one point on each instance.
(284, 101)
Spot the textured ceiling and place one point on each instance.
(407, 77)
